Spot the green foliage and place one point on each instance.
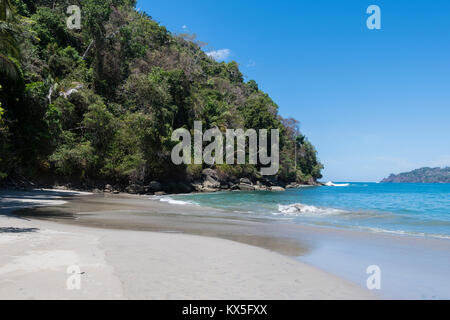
(9, 47)
(101, 103)
(50, 27)
(74, 159)
(99, 126)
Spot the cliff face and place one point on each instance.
(423, 175)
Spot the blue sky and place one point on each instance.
(373, 102)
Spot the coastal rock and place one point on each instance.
(108, 188)
(197, 186)
(208, 190)
(153, 186)
(293, 185)
(245, 181)
(160, 193)
(225, 186)
(184, 188)
(261, 187)
(172, 187)
(135, 189)
(210, 182)
(177, 187)
(277, 189)
(210, 173)
(246, 187)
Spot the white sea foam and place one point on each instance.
(408, 233)
(298, 209)
(172, 201)
(331, 184)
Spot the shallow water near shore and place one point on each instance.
(414, 209)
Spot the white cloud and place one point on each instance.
(219, 55)
(184, 27)
(251, 64)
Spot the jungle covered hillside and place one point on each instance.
(422, 175)
(99, 104)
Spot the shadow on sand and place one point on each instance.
(18, 230)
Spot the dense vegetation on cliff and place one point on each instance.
(99, 104)
(423, 175)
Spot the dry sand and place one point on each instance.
(123, 264)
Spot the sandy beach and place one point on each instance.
(114, 263)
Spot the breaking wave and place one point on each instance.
(173, 201)
(298, 209)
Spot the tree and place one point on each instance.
(9, 48)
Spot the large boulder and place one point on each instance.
(135, 189)
(210, 173)
(171, 187)
(177, 187)
(277, 189)
(210, 182)
(154, 186)
(260, 187)
(198, 186)
(245, 181)
(185, 188)
(246, 187)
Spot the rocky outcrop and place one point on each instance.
(210, 173)
(246, 185)
(209, 181)
(153, 186)
(135, 189)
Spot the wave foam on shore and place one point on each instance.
(172, 201)
(298, 209)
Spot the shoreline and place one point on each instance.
(128, 264)
(346, 254)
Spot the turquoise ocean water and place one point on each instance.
(414, 209)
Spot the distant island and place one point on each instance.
(423, 175)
